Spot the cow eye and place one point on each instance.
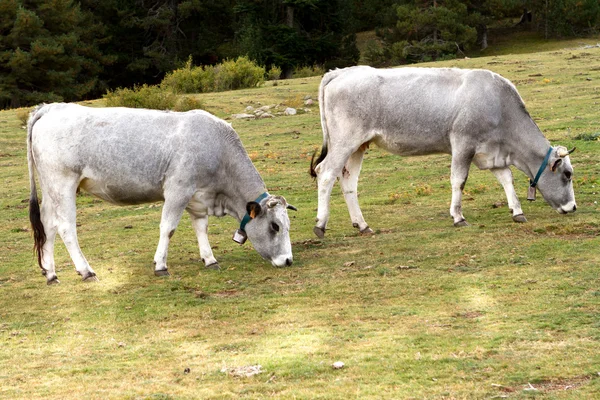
(274, 226)
(568, 175)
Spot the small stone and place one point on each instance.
(249, 109)
(243, 116)
(338, 365)
(290, 111)
(309, 102)
(266, 115)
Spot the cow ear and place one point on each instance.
(253, 209)
(556, 164)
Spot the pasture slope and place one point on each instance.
(419, 310)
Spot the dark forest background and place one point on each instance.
(65, 50)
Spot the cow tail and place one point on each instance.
(328, 77)
(39, 235)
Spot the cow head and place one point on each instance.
(269, 229)
(556, 183)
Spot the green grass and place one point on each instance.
(419, 310)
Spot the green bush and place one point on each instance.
(229, 75)
(182, 80)
(308, 71)
(144, 96)
(153, 97)
(238, 74)
(274, 73)
(23, 115)
(375, 54)
(186, 103)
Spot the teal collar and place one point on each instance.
(533, 183)
(247, 218)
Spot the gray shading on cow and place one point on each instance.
(192, 161)
(476, 116)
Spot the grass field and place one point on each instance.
(418, 310)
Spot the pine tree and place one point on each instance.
(430, 30)
(291, 33)
(150, 38)
(48, 52)
(558, 18)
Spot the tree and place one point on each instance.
(48, 52)
(291, 33)
(152, 37)
(566, 17)
(371, 14)
(430, 30)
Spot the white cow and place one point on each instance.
(192, 161)
(474, 115)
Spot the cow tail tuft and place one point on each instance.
(314, 163)
(39, 235)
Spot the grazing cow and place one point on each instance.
(192, 161)
(474, 115)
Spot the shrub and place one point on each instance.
(308, 71)
(186, 103)
(238, 74)
(143, 96)
(153, 97)
(229, 75)
(182, 80)
(375, 55)
(23, 114)
(274, 73)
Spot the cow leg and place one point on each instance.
(171, 214)
(49, 220)
(459, 172)
(66, 214)
(349, 183)
(504, 176)
(327, 172)
(200, 224)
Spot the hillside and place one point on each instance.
(419, 310)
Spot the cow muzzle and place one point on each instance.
(567, 208)
(282, 261)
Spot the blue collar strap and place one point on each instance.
(533, 183)
(247, 218)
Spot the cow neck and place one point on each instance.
(246, 187)
(531, 151)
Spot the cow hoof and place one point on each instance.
(161, 272)
(367, 232)
(87, 276)
(91, 278)
(461, 223)
(53, 281)
(214, 266)
(519, 218)
(320, 232)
